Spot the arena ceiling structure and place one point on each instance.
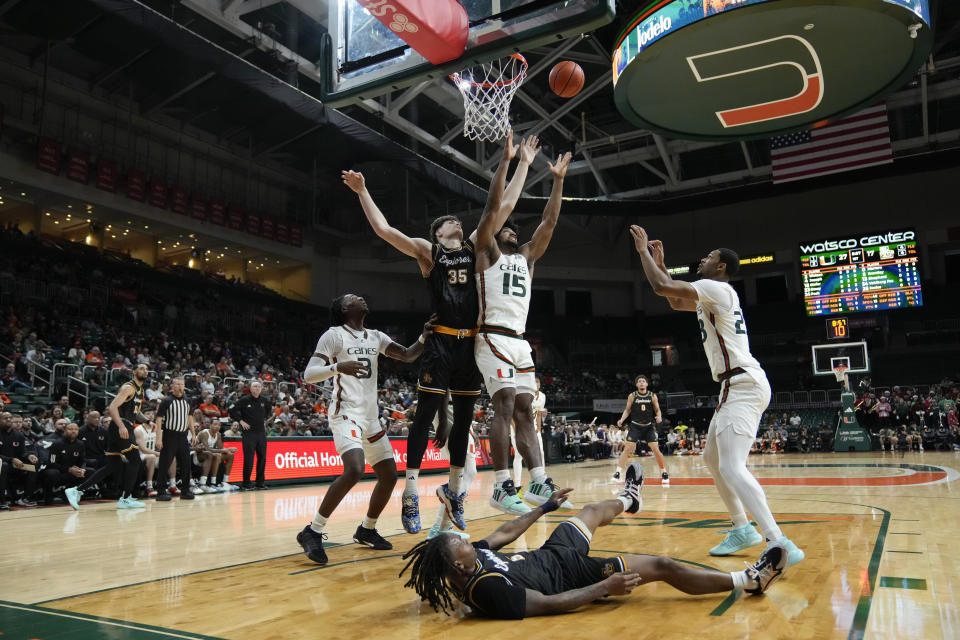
(247, 72)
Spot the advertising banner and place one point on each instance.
(316, 458)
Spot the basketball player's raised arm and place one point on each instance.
(677, 304)
(551, 213)
(416, 248)
(529, 148)
(411, 353)
(483, 236)
(510, 531)
(662, 283)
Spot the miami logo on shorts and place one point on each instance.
(501, 375)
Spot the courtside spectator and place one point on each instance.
(94, 439)
(11, 382)
(95, 357)
(13, 453)
(66, 467)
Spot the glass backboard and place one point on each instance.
(826, 356)
(363, 58)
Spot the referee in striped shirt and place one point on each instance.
(174, 426)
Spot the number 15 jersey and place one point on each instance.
(354, 396)
(505, 293)
(722, 328)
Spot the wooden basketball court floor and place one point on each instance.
(879, 531)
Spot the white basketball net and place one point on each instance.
(487, 91)
(840, 371)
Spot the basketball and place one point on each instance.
(566, 79)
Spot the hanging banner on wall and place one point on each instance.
(106, 175)
(48, 155)
(78, 166)
(136, 185)
(179, 200)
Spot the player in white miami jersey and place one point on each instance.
(504, 271)
(348, 353)
(744, 390)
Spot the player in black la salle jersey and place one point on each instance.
(560, 576)
(446, 261)
(123, 455)
(642, 410)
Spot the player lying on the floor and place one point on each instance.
(560, 576)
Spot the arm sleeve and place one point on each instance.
(713, 294)
(385, 341)
(494, 596)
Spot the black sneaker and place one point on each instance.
(372, 539)
(246, 487)
(664, 478)
(633, 483)
(770, 567)
(163, 496)
(187, 495)
(312, 543)
(4, 506)
(260, 487)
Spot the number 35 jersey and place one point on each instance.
(452, 292)
(722, 328)
(353, 396)
(505, 293)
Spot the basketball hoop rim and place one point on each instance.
(457, 78)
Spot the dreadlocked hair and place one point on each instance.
(337, 316)
(428, 573)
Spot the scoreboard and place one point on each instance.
(870, 272)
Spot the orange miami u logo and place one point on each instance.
(789, 60)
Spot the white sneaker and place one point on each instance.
(197, 489)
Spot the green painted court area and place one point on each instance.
(903, 583)
(24, 622)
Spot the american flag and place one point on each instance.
(860, 140)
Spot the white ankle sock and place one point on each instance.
(319, 522)
(501, 476)
(740, 520)
(456, 479)
(626, 501)
(369, 523)
(741, 581)
(203, 481)
(538, 474)
(412, 476)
